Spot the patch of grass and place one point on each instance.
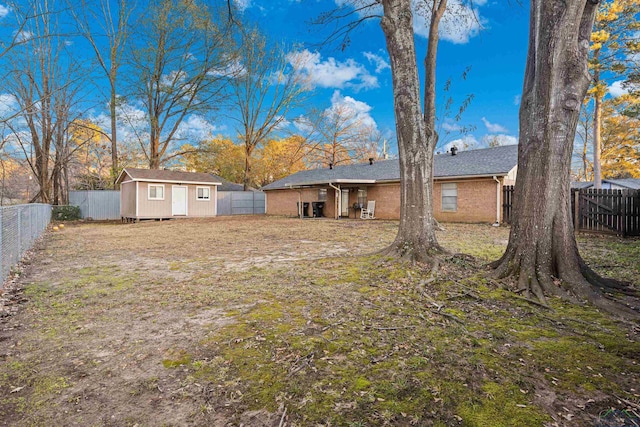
(501, 405)
(175, 358)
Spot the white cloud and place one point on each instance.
(23, 36)
(499, 139)
(242, 5)
(195, 128)
(8, 105)
(450, 126)
(4, 11)
(303, 124)
(516, 100)
(234, 68)
(282, 122)
(617, 90)
(494, 127)
(331, 73)
(467, 142)
(380, 63)
(460, 22)
(470, 142)
(358, 111)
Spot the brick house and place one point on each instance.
(467, 187)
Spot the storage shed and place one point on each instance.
(164, 194)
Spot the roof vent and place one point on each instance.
(370, 160)
(330, 165)
(454, 150)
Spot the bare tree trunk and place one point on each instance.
(416, 239)
(246, 181)
(597, 139)
(154, 149)
(114, 131)
(542, 243)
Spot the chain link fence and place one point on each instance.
(20, 226)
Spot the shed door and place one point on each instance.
(179, 201)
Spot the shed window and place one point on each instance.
(322, 195)
(156, 192)
(450, 197)
(203, 193)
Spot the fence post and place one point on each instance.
(19, 231)
(623, 215)
(576, 210)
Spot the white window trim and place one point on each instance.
(442, 196)
(208, 199)
(149, 192)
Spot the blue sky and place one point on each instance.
(495, 49)
(494, 46)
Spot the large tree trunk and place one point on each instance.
(542, 244)
(416, 239)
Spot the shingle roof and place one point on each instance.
(488, 161)
(227, 185)
(171, 176)
(580, 184)
(630, 183)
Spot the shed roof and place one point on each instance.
(497, 161)
(161, 175)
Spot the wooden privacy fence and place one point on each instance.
(604, 211)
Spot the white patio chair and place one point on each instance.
(369, 211)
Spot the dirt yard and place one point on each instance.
(260, 321)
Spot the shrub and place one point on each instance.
(65, 213)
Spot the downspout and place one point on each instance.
(498, 188)
(300, 203)
(338, 194)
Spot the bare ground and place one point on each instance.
(270, 321)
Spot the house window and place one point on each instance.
(362, 197)
(156, 192)
(322, 195)
(203, 193)
(450, 197)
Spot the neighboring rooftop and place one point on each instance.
(630, 183)
(483, 162)
(227, 185)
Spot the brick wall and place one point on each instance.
(387, 197)
(476, 201)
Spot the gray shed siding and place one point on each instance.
(95, 204)
(241, 203)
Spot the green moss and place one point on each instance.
(361, 383)
(500, 405)
(176, 358)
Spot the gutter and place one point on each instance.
(498, 188)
